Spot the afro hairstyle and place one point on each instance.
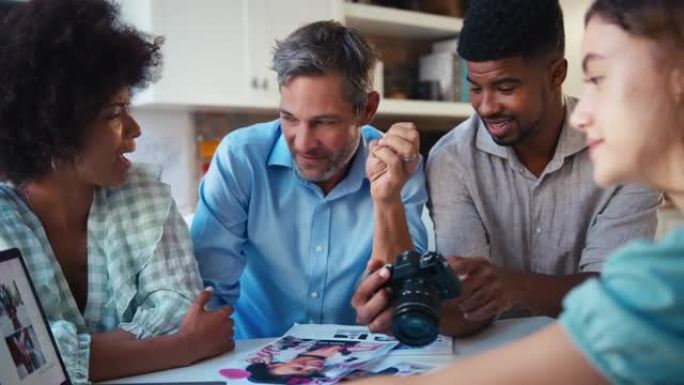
(61, 62)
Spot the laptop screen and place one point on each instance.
(28, 354)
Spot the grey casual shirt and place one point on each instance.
(484, 202)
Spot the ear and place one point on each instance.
(371, 108)
(559, 71)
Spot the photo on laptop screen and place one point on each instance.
(28, 354)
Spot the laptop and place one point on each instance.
(28, 353)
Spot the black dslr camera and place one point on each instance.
(419, 284)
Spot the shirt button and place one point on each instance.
(314, 294)
(537, 230)
(319, 248)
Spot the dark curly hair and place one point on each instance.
(497, 29)
(61, 62)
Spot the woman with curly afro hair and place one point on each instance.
(107, 249)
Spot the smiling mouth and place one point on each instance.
(594, 143)
(498, 127)
(311, 157)
(121, 157)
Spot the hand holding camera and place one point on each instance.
(419, 284)
(416, 284)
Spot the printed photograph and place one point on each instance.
(352, 334)
(401, 369)
(292, 360)
(13, 314)
(25, 351)
(441, 345)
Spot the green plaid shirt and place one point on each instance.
(142, 274)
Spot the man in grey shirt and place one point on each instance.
(511, 190)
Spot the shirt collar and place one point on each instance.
(280, 153)
(570, 141)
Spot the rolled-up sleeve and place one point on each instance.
(74, 349)
(414, 197)
(168, 283)
(630, 323)
(630, 213)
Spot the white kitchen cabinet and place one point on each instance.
(217, 53)
(268, 21)
(203, 51)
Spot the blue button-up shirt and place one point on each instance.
(274, 246)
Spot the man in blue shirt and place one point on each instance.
(291, 211)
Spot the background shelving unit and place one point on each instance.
(377, 20)
(416, 31)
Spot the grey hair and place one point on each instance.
(327, 46)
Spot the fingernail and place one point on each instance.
(384, 272)
(209, 288)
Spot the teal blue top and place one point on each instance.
(630, 323)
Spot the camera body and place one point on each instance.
(419, 284)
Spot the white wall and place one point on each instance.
(573, 12)
(168, 140)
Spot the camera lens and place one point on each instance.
(415, 329)
(415, 321)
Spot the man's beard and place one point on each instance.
(521, 136)
(337, 163)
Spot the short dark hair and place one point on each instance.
(497, 29)
(660, 20)
(328, 46)
(61, 62)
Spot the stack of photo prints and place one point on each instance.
(327, 354)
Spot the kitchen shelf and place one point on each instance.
(388, 107)
(424, 108)
(385, 21)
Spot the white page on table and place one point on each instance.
(443, 345)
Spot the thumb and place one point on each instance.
(374, 264)
(203, 298)
(463, 266)
(372, 144)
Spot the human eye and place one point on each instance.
(326, 122)
(287, 118)
(475, 89)
(114, 112)
(594, 80)
(506, 90)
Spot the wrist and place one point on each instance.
(187, 353)
(518, 288)
(388, 203)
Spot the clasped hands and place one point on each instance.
(392, 160)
